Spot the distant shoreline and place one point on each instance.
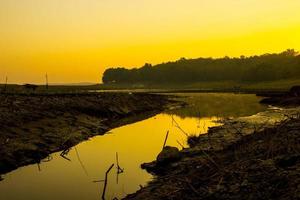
(66, 89)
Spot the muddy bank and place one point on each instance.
(253, 157)
(33, 126)
(287, 99)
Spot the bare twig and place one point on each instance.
(220, 182)
(39, 167)
(99, 181)
(64, 154)
(81, 163)
(180, 144)
(119, 169)
(177, 126)
(105, 181)
(166, 138)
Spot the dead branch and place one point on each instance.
(166, 138)
(105, 181)
(119, 169)
(177, 126)
(99, 181)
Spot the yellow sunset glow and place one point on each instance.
(76, 40)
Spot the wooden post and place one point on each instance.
(119, 169)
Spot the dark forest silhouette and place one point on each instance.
(267, 67)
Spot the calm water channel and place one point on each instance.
(135, 143)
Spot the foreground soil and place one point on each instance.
(233, 161)
(33, 126)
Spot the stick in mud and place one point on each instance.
(165, 140)
(119, 169)
(105, 181)
(177, 126)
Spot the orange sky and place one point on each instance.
(76, 40)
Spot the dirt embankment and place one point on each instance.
(246, 158)
(33, 126)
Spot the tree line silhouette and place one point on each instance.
(267, 67)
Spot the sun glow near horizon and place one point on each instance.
(76, 40)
